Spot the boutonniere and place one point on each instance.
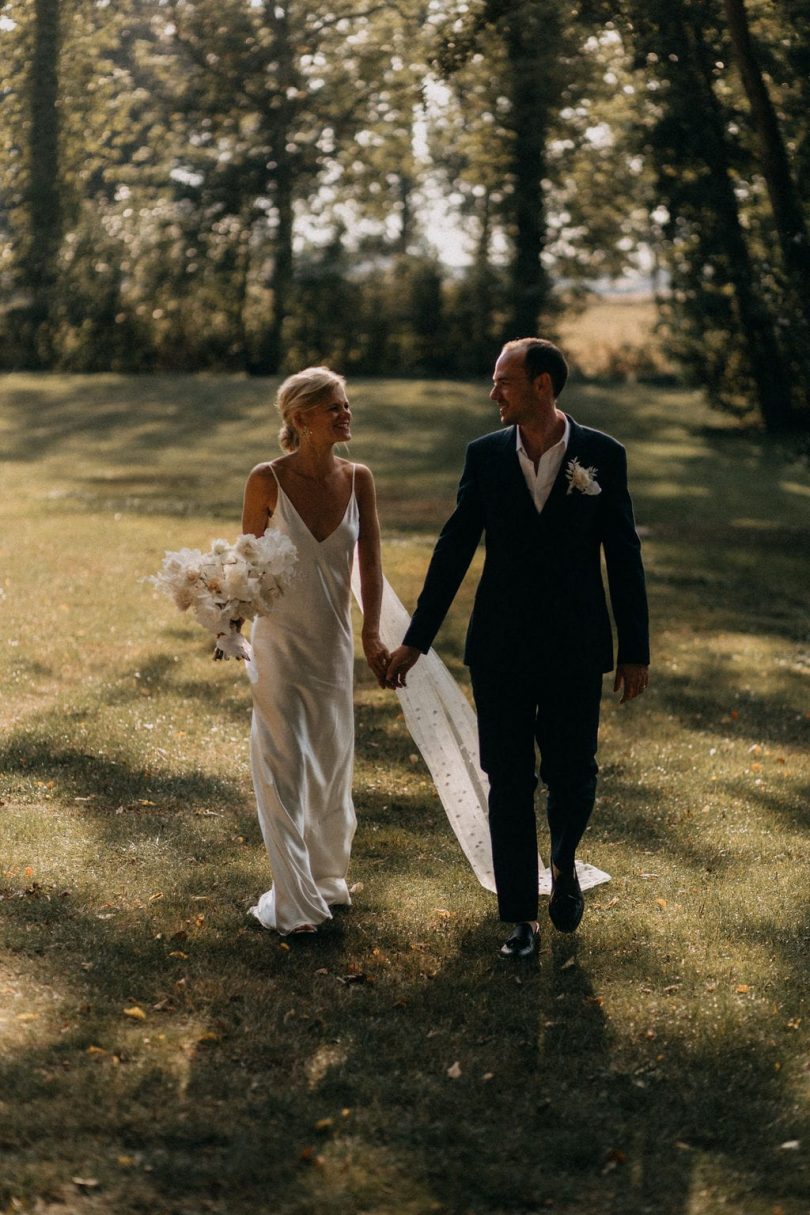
(582, 479)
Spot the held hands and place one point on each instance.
(400, 663)
(632, 679)
(377, 656)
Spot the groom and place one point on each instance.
(550, 497)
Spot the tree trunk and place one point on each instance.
(482, 279)
(766, 363)
(282, 188)
(784, 197)
(406, 212)
(526, 35)
(44, 198)
(282, 278)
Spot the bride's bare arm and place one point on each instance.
(261, 492)
(370, 570)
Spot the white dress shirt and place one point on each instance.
(541, 480)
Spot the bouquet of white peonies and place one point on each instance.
(229, 584)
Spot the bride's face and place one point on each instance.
(329, 422)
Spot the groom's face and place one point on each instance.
(512, 390)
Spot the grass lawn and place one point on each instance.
(158, 1055)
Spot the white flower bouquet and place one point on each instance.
(229, 584)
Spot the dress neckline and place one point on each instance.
(303, 522)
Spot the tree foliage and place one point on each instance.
(251, 184)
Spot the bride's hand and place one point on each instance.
(377, 656)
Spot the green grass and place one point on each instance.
(655, 1062)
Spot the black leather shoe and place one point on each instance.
(566, 905)
(522, 943)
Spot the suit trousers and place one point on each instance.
(557, 712)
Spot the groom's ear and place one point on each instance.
(542, 385)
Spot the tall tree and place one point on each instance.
(274, 93)
(523, 45)
(786, 202)
(42, 203)
(722, 321)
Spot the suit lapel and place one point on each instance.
(515, 489)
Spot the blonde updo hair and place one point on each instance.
(304, 390)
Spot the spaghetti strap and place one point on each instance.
(275, 474)
(354, 470)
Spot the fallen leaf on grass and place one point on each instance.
(354, 977)
(126, 1162)
(308, 1155)
(85, 1183)
(356, 888)
(615, 1158)
(742, 988)
(790, 1145)
(96, 1050)
(454, 1071)
(488, 1076)
(25, 1017)
(210, 1036)
(661, 903)
(136, 1013)
(567, 965)
(324, 1124)
(178, 953)
(153, 898)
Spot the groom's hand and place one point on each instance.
(632, 679)
(402, 659)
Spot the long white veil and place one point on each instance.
(442, 723)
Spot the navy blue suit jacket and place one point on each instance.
(541, 598)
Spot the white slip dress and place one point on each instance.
(302, 732)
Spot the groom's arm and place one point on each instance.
(451, 559)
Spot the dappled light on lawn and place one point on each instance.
(165, 1055)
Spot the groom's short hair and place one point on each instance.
(542, 356)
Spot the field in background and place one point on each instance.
(160, 1056)
(615, 338)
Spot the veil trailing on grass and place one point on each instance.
(442, 723)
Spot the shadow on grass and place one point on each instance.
(315, 1078)
(87, 775)
(143, 413)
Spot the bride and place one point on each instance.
(302, 733)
